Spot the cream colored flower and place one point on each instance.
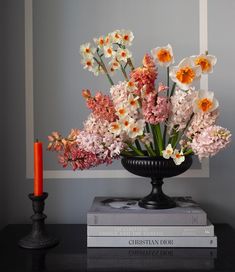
(163, 55)
(114, 65)
(178, 157)
(205, 102)
(136, 129)
(122, 111)
(185, 73)
(99, 41)
(207, 62)
(127, 37)
(133, 102)
(127, 122)
(123, 54)
(88, 64)
(116, 36)
(86, 50)
(132, 86)
(108, 51)
(167, 152)
(115, 128)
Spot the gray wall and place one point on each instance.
(70, 199)
(2, 189)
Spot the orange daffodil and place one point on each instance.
(163, 55)
(205, 102)
(185, 74)
(207, 62)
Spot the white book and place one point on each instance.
(184, 241)
(151, 230)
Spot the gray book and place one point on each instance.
(169, 241)
(149, 253)
(111, 211)
(151, 230)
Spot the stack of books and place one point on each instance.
(120, 222)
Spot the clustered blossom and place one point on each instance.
(145, 76)
(112, 46)
(210, 141)
(101, 106)
(120, 121)
(181, 109)
(155, 108)
(201, 121)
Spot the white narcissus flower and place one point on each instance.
(97, 70)
(127, 37)
(86, 50)
(99, 41)
(114, 65)
(115, 128)
(132, 85)
(123, 54)
(163, 55)
(88, 63)
(122, 111)
(167, 152)
(205, 102)
(108, 39)
(178, 157)
(116, 36)
(136, 129)
(108, 51)
(126, 122)
(133, 102)
(207, 62)
(185, 73)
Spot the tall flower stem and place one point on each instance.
(136, 150)
(150, 150)
(124, 72)
(188, 152)
(130, 64)
(138, 144)
(157, 136)
(168, 81)
(173, 89)
(101, 63)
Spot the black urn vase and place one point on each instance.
(156, 168)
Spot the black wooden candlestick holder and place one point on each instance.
(38, 237)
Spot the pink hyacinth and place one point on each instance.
(102, 107)
(201, 121)
(181, 109)
(155, 112)
(119, 93)
(210, 141)
(145, 75)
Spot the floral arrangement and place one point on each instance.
(140, 117)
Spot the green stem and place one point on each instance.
(138, 144)
(126, 153)
(150, 150)
(137, 151)
(124, 72)
(173, 89)
(130, 64)
(188, 152)
(168, 80)
(155, 140)
(158, 137)
(104, 68)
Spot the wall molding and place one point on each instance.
(29, 107)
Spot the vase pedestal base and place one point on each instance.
(157, 199)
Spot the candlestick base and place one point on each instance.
(38, 237)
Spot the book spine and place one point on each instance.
(150, 230)
(195, 219)
(209, 242)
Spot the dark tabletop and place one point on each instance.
(72, 254)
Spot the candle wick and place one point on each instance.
(37, 140)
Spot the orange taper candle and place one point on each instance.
(38, 169)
